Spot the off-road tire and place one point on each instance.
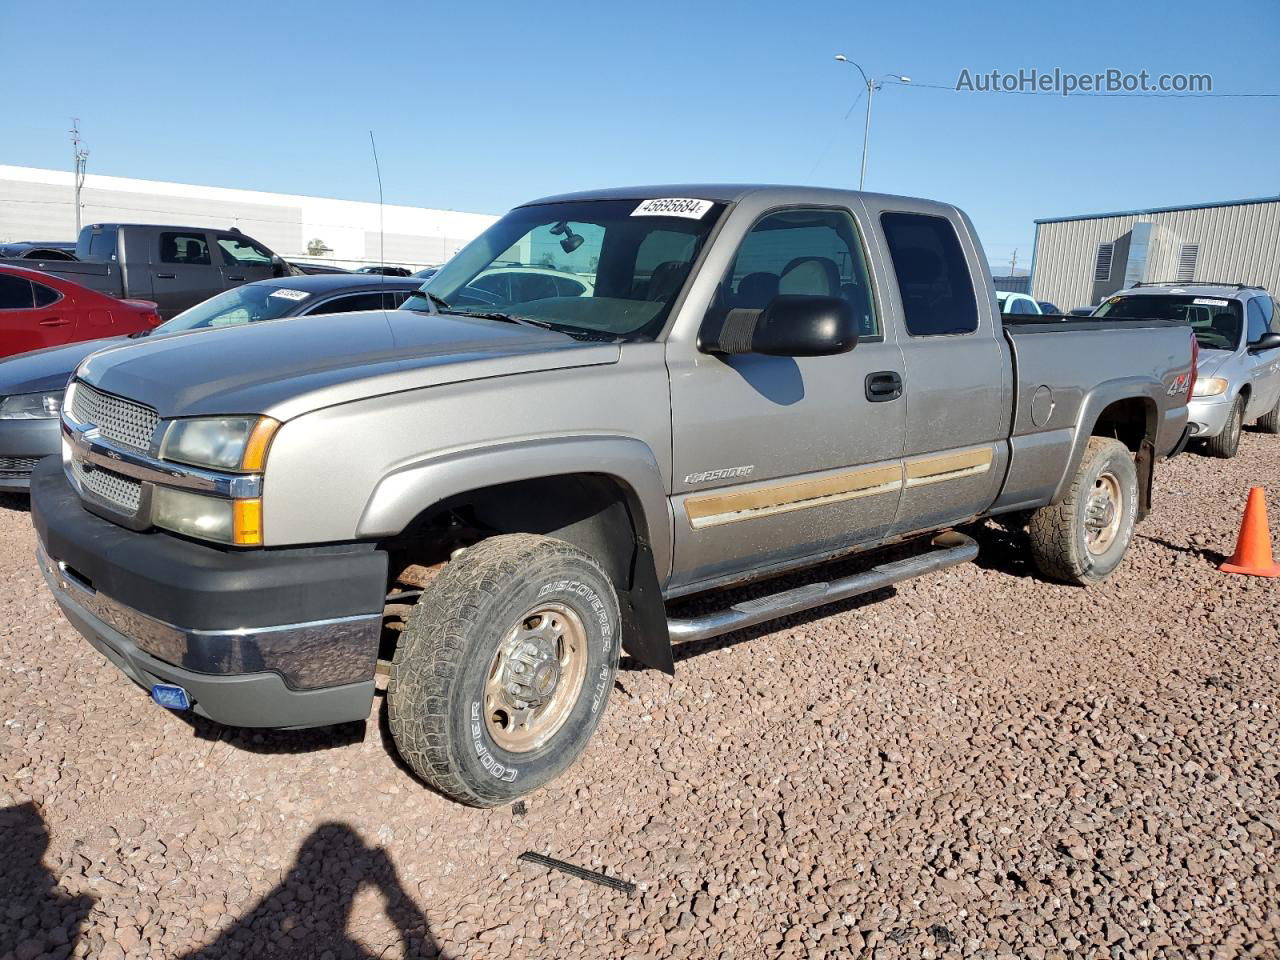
(442, 664)
(1058, 533)
(1227, 442)
(1269, 422)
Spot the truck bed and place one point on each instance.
(94, 274)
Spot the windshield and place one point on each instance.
(247, 304)
(612, 267)
(1216, 322)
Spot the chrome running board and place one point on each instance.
(950, 549)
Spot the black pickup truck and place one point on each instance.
(177, 267)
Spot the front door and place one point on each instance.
(1264, 377)
(955, 360)
(185, 273)
(781, 458)
(243, 260)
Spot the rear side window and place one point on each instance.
(355, 301)
(15, 293)
(102, 245)
(184, 248)
(45, 295)
(933, 275)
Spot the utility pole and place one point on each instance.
(1013, 263)
(81, 160)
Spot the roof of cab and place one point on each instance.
(1225, 291)
(329, 282)
(719, 192)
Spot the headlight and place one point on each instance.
(31, 406)
(220, 443)
(1209, 387)
(237, 522)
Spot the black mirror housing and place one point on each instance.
(791, 325)
(1268, 341)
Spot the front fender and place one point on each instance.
(403, 494)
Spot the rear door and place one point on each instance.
(32, 316)
(782, 458)
(242, 260)
(956, 365)
(184, 270)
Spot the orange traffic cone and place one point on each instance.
(1253, 550)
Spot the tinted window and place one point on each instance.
(532, 286)
(1215, 321)
(1275, 315)
(102, 245)
(355, 301)
(188, 248)
(45, 295)
(391, 299)
(933, 276)
(809, 252)
(242, 250)
(1258, 324)
(569, 288)
(15, 293)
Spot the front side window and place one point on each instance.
(1216, 321)
(184, 248)
(1258, 324)
(933, 275)
(815, 253)
(15, 293)
(351, 303)
(241, 251)
(584, 266)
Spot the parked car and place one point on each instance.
(1017, 304)
(546, 473)
(40, 310)
(385, 271)
(1238, 329)
(177, 267)
(426, 273)
(310, 268)
(518, 284)
(32, 385)
(1082, 311)
(1049, 308)
(38, 249)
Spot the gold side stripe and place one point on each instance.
(948, 463)
(793, 495)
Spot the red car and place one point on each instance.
(41, 310)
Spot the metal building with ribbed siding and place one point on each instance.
(1080, 260)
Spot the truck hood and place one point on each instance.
(284, 368)
(47, 369)
(1210, 361)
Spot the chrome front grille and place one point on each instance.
(121, 421)
(123, 493)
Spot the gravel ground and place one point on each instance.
(977, 763)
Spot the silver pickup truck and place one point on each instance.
(496, 498)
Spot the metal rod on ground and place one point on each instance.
(582, 873)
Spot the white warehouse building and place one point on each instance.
(37, 204)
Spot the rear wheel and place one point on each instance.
(1227, 442)
(1083, 539)
(1270, 421)
(504, 668)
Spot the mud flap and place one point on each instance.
(644, 615)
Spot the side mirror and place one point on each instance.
(790, 326)
(1268, 341)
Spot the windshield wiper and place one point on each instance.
(578, 333)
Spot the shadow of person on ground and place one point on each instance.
(36, 917)
(308, 913)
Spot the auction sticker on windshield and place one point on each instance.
(290, 294)
(1210, 301)
(673, 207)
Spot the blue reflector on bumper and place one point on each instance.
(173, 697)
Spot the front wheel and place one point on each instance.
(504, 668)
(1083, 539)
(1227, 442)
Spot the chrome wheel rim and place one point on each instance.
(535, 677)
(1103, 513)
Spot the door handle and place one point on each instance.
(54, 322)
(166, 276)
(235, 278)
(884, 385)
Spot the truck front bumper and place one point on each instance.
(260, 638)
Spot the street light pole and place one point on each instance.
(872, 87)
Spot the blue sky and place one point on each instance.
(480, 106)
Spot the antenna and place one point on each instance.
(81, 160)
(382, 234)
